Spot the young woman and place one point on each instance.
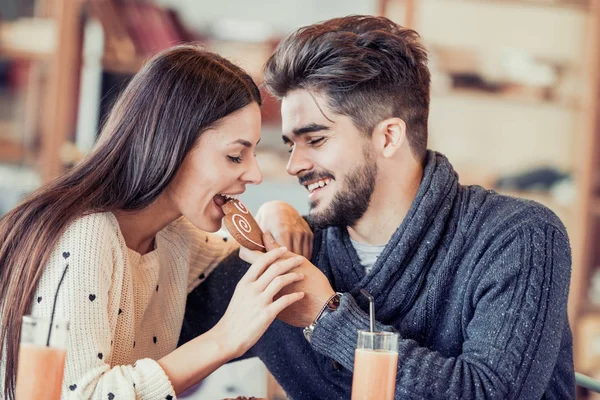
(131, 223)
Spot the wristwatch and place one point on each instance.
(330, 306)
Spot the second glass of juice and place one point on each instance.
(375, 364)
(42, 354)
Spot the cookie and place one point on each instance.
(242, 225)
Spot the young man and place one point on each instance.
(475, 283)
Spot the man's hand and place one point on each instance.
(287, 227)
(315, 285)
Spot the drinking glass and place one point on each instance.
(42, 354)
(375, 364)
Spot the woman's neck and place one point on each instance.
(139, 228)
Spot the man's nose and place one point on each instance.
(298, 162)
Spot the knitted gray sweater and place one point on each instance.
(476, 284)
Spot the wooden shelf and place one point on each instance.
(55, 38)
(18, 54)
(570, 4)
(16, 39)
(11, 151)
(511, 97)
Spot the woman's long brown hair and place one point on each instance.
(156, 121)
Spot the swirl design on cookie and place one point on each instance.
(243, 226)
(240, 206)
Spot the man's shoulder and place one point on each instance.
(495, 211)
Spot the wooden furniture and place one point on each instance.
(53, 78)
(584, 316)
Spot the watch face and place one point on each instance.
(334, 302)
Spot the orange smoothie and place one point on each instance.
(374, 374)
(40, 372)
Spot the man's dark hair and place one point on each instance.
(368, 68)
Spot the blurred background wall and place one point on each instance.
(514, 104)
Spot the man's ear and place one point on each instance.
(390, 135)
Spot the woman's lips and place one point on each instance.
(219, 200)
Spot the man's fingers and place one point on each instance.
(307, 244)
(297, 246)
(269, 241)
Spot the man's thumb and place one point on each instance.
(269, 241)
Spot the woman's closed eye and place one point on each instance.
(236, 160)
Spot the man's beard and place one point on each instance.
(351, 202)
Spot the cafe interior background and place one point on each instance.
(514, 106)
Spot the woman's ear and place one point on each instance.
(390, 135)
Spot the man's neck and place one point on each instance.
(389, 204)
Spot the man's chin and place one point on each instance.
(318, 220)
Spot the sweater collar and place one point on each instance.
(401, 268)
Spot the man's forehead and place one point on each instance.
(299, 108)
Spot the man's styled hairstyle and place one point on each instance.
(368, 68)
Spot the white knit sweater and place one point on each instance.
(125, 310)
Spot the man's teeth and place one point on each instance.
(318, 184)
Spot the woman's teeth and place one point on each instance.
(229, 196)
(318, 184)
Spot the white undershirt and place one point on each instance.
(367, 254)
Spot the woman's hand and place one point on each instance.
(253, 308)
(315, 286)
(287, 227)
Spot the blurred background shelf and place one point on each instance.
(11, 151)
(9, 53)
(32, 39)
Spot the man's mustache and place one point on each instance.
(315, 176)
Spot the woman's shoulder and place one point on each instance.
(89, 243)
(98, 225)
(92, 231)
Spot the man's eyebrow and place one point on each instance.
(309, 129)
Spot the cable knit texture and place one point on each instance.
(125, 309)
(476, 284)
